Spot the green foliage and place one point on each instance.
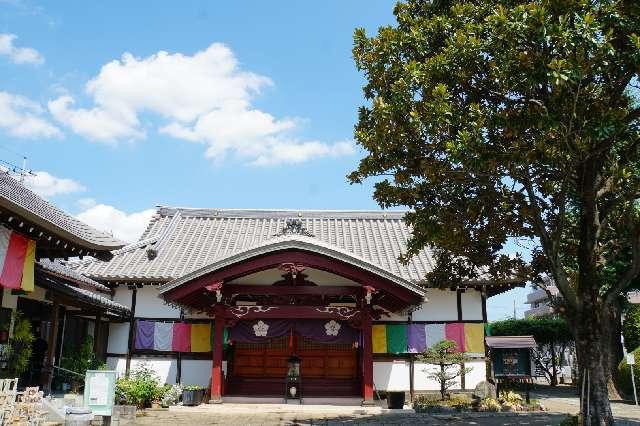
(20, 346)
(500, 121)
(446, 355)
(545, 330)
(141, 388)
(171, 396)
(427, 404)
(82, 358)
(623, 375)
(193, 388)
(631, 328)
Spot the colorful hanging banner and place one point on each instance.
(435, 333)
(379, 339)
(455, 331)
(396, 338)
(163, 336)
(144, 334)
(415, 338)
(181, 337)
(17, 259)
(474, 338)
(200, 337)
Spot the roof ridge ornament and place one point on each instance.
(294, 226)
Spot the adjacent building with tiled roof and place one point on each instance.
(57, 233)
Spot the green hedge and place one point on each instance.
(631, 327)
(623, 376)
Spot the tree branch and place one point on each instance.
(549, 248)
(631, 273)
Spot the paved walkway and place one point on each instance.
(559, 402)
(260, 415)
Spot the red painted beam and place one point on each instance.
(229, 289)
(251, 312)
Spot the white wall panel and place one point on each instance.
(471, 305)
(122, 295)
(421, 380)
(476, 375)
(442, 305)
(196, 372)
(165, 368)
(118, 338)
(391, 375)
(149, 305)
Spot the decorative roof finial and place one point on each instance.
(294, 226)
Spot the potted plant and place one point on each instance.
(19, 347)
(171, 395)
(192, 395)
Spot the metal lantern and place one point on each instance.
(293, 367)
(293, 380)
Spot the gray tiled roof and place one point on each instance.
(189, 239)
(21, 201)
(72, 275)
(65, 280)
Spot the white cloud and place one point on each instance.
(19, 55)
(202, 98)
(126, 227)
(95, 123)
(48, 185)
(22, 117)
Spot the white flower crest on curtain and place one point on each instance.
(260, 329)
(332, 328)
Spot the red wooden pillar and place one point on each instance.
(367, 359)
(216, 368)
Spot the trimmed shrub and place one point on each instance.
(631, 328)
(623, 376)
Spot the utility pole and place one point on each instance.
(514, 309)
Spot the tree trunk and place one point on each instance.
(443, 383)
(592, 328)
(554, 370)
(615, 351)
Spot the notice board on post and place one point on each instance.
(99, 391)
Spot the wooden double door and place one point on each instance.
(318, 360)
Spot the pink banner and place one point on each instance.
(181, 337)
(455, 331)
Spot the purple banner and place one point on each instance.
(326, 331)
(416, 338)
(257, 331)
(144, 334)
(322, 331)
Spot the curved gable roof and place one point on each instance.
(293, 242)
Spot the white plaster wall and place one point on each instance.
(476, 375)
(391, 375)
(196, 372)
(122, 295)
(422, 382)
(165, 368)
(149, 305)
(471, 305)
(394, 376)
(442, 305)
(118, 338)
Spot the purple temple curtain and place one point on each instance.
(416, 338)
(144, 334)
(326, 331)
(257, 331)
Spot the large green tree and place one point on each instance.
(497, 121)
(552, 335)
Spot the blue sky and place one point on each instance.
(121, 106)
